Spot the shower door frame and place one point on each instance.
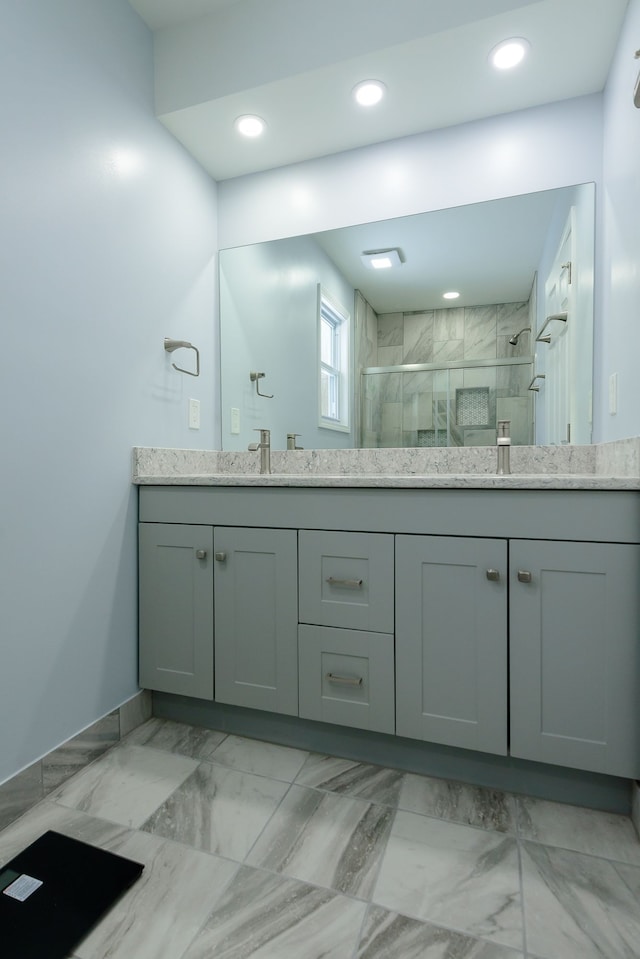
(527, 360)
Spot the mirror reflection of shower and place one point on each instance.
(426, 404)
(513, 340)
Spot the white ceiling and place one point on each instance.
(488, 252)
(295, 62)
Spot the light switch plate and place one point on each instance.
(194, 414)
(613, 393)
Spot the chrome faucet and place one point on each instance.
(265, 450)
(504, 447)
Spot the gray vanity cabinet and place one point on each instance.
(575, 657)
(176, 609)
(451, 641)
(256, 618)
(516, 613)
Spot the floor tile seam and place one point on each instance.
(182, 844)
(580, 852)
(50, 801)
(222, 892)
(284, 873)
(462, 932)
(247, 772)
(523, 911)
(400, 808)
(211, 762)
(288, 877)
(459, 930)
(102, 817)
(266, 825)
(623, 879)
(458, 822)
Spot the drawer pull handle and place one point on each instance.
(493, 575)
(201, 554)
(344, 680)
(524, 576)
(221, 557)
(345, 583)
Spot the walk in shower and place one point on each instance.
(428, 404)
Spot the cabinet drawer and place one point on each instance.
(346, 580)
(347, 677)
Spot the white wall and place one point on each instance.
(268, 301)
(538, 149)
(617, 343)
(108, 238)
(582, 200)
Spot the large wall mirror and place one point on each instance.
(318, 341)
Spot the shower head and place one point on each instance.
(513, 340)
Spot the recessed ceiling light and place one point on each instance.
(451, 295)
(509, 53)
(381, 259)
(369, 92)
(250, 126)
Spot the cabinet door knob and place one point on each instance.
(220, 557)
(524, 576)
(493, 575)
(201, 554)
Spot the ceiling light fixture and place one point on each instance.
(369, 92)
(509, 53)
(381, 259)
(451, 295)
(250, 126)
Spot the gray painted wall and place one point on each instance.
(617, 343)
(108, 238)
(269, 301)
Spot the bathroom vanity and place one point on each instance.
(492, 615)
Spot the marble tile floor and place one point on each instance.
(258, 851)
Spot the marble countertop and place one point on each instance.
(606, 466)
(436, 481)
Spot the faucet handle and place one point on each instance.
(253, 447)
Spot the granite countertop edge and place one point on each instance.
(532, 481)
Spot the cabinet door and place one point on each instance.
(451, 641)
(256, 618)
(575, 682)
(176, 609)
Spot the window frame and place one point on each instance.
(339, 370)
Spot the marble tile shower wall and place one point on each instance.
(424, 408)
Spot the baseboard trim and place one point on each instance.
(28, 787)
(542, 781)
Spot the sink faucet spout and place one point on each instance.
(265, 450)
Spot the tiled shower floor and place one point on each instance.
(261, 851)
